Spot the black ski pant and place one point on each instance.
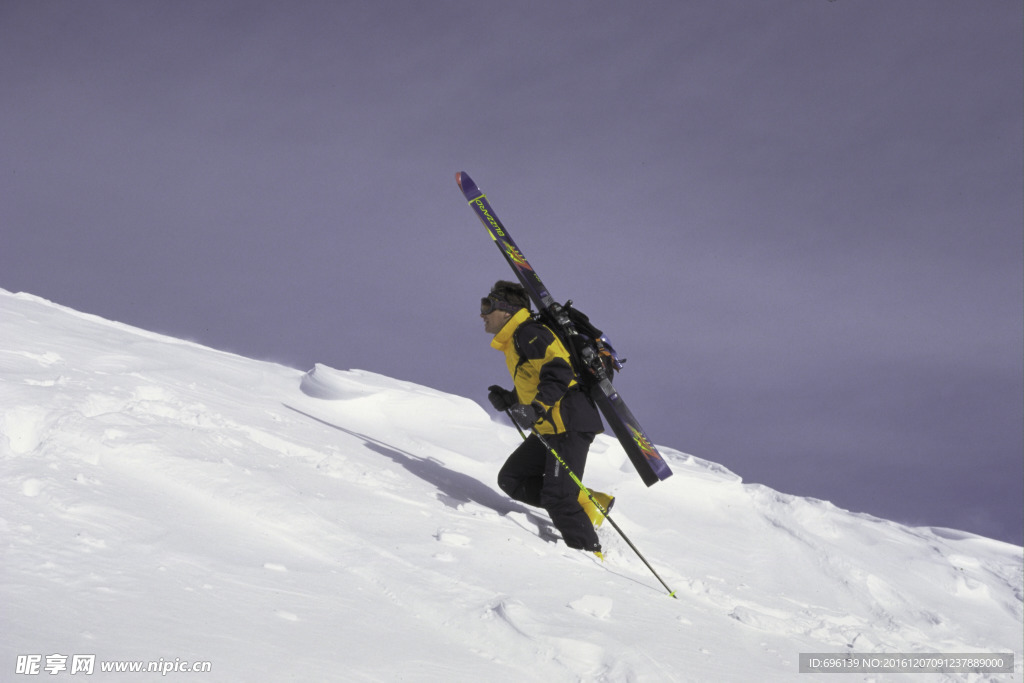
(533, 476)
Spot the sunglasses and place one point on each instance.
(489, 304)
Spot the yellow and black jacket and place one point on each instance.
(542, 371)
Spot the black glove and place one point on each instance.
(501, 399)
(527, 415)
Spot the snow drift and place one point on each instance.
(163, 501)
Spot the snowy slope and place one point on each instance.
(162, 501)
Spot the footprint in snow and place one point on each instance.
(453, 539)
(31, 487)
(595, 606)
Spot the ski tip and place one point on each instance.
(466, 184)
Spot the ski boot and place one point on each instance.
(603, 499)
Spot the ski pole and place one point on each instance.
(589, 495)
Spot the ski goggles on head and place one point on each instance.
(489, 304)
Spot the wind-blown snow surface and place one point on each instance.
(162, 500)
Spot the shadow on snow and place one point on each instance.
(454, 489)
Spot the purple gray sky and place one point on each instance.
(800, 220)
